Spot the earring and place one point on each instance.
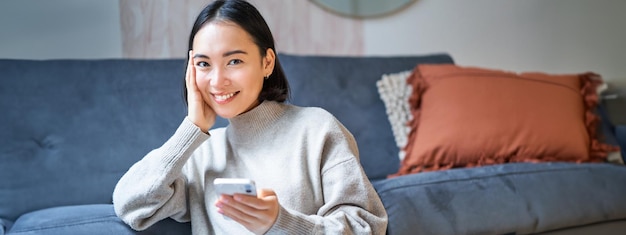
(266, 77)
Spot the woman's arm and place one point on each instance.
(155, 188)
(351, 205)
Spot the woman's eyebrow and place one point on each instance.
(200, 56)
(226, 54)
(229, 53)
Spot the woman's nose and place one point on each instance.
(218, 78)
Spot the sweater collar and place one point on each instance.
(256, 121)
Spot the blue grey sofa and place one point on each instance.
(69, 129)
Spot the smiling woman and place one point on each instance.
(302, 154)
(363, 8)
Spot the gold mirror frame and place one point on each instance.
(363, 8)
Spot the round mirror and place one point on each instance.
(363, 8)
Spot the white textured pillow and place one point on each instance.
(395, 92)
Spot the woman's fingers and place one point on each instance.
(190, 69)
(192, 86)
(266, 196)
(199, 111)
(236, 211)
(256, 214)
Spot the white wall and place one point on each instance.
(560, 36)
(68, 29)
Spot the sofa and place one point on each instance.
(71, 128)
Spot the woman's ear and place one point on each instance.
(268, 62)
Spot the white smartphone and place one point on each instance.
(230, 186)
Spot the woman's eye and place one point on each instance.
(235, 61)
(202, 64)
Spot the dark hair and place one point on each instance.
(242, 13)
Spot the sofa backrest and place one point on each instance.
(346, 87)
(69, 129)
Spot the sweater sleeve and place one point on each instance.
(351, 204)
(155, 188)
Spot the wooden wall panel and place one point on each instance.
(160, 28)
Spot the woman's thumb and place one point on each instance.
(265, 193)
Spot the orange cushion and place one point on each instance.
(464, 117)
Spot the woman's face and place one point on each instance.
(229, 68)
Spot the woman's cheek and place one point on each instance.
(201, 79)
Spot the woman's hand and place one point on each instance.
(257, 214)
(198, 111)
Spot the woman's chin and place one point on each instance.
(227, 114)
(232, 109)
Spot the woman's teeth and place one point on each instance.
(223, 97)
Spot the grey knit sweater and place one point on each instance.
(304, 154)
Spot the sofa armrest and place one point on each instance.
(608, 134)
(4, 226)
(620, 134)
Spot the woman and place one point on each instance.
(305, 163)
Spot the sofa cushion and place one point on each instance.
(514, 198)
(86, 219)
(89, 219)
(465, 116)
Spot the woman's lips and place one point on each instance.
(224, 97)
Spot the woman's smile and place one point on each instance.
(223, 98)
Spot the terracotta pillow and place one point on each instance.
(464, 117)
